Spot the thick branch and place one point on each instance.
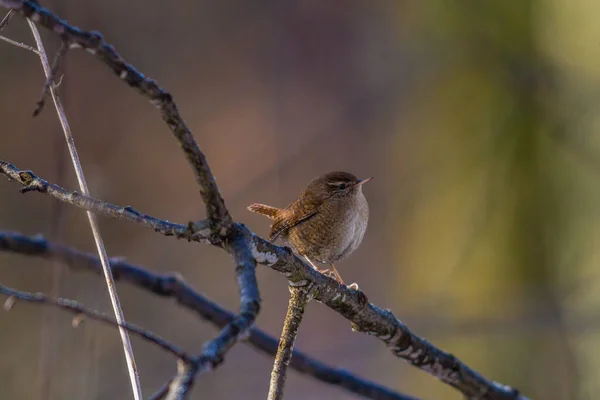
(94, 43)
(368, 318)
(352, 304)
(298, 301)
(173, 286)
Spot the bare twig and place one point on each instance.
(19, 44)
(4, 24)
(112, 291)
(6, 19)
(51, 79)
(49, 332)
(199, 231)
(174, 286)
(350, 303)
(298, 301)
(79, 309)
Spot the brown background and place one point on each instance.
(477, 120)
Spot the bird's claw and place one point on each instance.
(354, 286)
(329, 273)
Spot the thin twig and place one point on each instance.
(51, 79)
(174, 286)
(19, 44)
(6, 19)
(298, 301)
(163, 391)
(49, 333)
(131, 366)
(199, 231)
(79, 309)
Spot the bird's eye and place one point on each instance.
(342, 186)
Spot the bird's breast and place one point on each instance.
(334, 233)
(356, 226)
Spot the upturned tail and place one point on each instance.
(267, 211)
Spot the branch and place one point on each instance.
(199, 231)
(179, 387)
(368, 318)
(94, 43)
(214, 350)
(110, 284)
(350, 303)
(238, 327)
(298, 300)
(185, 295)
(6, 19)
(19, 44)
(50, 76)
(79, 309)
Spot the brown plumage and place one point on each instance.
(326, 223)
(267, 211)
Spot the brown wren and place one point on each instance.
(326, 223)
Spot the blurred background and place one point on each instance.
(476, 119)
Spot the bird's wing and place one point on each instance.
(293, 215)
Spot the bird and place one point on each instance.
(326, 223)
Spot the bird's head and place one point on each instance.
(336, 184)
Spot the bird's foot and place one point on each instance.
(329, 273)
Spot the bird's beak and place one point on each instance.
(363, 181)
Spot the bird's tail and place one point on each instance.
(267, 211)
